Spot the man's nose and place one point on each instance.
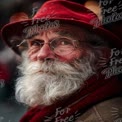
(45, 52)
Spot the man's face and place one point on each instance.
(55, 65)
(51, 45)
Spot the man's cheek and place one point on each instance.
(33, 57)
(71, 57)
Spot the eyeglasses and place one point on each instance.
(60, 46)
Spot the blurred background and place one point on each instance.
(10, 110)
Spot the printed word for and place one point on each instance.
(60, 112)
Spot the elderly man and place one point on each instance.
(66, 71)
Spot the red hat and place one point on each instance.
(56, 12)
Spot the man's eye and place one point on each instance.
(36, 43)
(65, 42)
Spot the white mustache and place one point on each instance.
(47, 66)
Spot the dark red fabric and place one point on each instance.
(66, 10)
(94, 91)
(4, 73)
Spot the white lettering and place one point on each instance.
(111, 71)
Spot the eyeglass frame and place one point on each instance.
(74, 46)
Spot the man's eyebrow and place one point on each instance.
(65, 33)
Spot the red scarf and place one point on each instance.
(95, 90)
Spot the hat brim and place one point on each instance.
(16, 29)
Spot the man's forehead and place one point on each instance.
(48, 33)
(63, 30)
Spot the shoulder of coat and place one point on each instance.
(106, 111)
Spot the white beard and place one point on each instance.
(43, 83)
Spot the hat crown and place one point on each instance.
(65, 9)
